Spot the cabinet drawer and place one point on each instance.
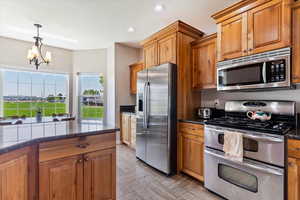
(294, 148)
(193, 137)
(189, 128)
(74, 146)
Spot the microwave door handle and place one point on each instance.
(264, 72)
(249, 165)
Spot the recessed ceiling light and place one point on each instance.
(159, 7)
(131, 30)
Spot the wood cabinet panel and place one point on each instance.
(75, 146)
(62, 179)
(266, 27)
(193, 129)
(296, 43)
(293, 179)
(134, 69)
(232, 37)
(150, 54)
(100, 175)
(167, 49)
(192, 156)
(14, 179)
(204, 63)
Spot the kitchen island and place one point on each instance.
(72, 160)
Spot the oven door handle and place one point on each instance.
(263, 138)
(244, 164)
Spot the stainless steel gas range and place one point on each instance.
(261, 175)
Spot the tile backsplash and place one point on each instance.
(213, 98)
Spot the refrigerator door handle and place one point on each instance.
(145, 105)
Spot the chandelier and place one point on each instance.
(35, 56)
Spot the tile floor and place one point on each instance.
(137, 181)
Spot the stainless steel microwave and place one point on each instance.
(260, 71)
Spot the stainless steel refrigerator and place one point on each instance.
(156, 117)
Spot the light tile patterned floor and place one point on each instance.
(137, 181)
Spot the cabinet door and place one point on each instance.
(269, 26)
(296, 44)
(204, 65)
(134, 69)
(100, 175)
(14, 179)
(232, 37)
(192, 156)
(62, 179)
(150, 54)
(167, 49)
(293, 179)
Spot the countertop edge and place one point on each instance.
(53, 138)
(193, 121)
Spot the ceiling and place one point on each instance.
(92, 24)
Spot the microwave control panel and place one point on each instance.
(276, 70)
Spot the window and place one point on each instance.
(24, 93)
(91, 97)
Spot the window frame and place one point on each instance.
(79, 90)
(25, 70)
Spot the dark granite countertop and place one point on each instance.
(294, 134)
(17, 136)
(194, 121)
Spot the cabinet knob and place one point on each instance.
(245, 51)
(80, 161)
(86, 159)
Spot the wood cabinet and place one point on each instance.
(62, 179)
(134, 69)
(167, 49)
(150, 54)
(249, 27)
(191, 149)
(296, 43)
(128, 129)
(16, 179)
(172, 44)
(293, 182)
(204, 62)
(100, 175)
(87, 174)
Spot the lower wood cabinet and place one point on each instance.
(191, 150)
(88, 176)
(15, 175)
(293, 170)
(296, 43)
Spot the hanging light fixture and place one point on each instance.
(36, 51)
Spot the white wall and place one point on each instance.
(209, 97)
(124, 56)
(88, 61)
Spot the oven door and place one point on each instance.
(247, 180)
(263, 147)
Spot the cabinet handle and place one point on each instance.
(82, 146)
(79, 161)
(250, 49)
(245, 51)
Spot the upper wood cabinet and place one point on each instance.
(253, 26)
(232, 37)
(134, 69)
(15, 179)
(150, 54)
(167, 49)
(173, 44)
(204, 62)
(296, 43)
